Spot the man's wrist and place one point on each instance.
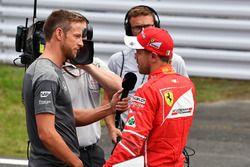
(110, 126)
(109, 108)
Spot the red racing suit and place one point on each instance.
(159, 120)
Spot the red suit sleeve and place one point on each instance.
(139, 123)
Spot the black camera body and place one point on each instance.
(20, 35)
(31, 41)
(85, 54)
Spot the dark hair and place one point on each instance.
(61, 18)
(140, 10)
(166, 59)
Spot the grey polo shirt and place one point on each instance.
(45, 91)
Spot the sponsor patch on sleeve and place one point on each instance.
(138, 99)
(131, 122)
(138, 102)
(45, 98)
(44, 94)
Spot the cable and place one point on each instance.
(28, 150)
(18, 65)
(187, 154)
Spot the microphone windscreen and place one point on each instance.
(129, 81)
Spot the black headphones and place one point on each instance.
(127, 25)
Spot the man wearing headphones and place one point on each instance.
(136, 19)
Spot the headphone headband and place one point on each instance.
(127, 25)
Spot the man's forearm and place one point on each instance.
(87, 116)
(53, 141)
(109, 120)
(56, 145)
(109, 81)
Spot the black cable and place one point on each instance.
(123, 59)
(28, 150)
(142, 81)
(187, 154)
(191, 149)
(14, 62)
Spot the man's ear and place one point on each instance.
(154, 57)
(171, 59)
(59, 34)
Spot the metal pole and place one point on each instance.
(34, 14)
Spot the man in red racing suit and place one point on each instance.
(161, 111)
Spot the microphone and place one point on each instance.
(128, 84)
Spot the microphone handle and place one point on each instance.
(124, 94)
(118, 121)
(118, 114)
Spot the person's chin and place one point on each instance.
(140, 71)
(71, 56)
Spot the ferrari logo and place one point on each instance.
(169, 97)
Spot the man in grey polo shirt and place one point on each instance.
(50, 118)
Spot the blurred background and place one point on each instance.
(213, 37)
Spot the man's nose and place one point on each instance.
(81, 44)
(136, 54)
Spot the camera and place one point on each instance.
(31, 41)
(86, 53)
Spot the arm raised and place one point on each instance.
(88, 116)
(108, 80)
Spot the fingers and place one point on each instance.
(114, 139)
(115, 134)
(118, 93)
(124, 101)
(122, 105)
(119, 105)
(119, 133)
(121, 109)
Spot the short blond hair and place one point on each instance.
(61, 18)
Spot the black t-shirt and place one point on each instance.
(45, 91)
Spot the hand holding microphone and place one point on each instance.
(128, 84)
(118, 105)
